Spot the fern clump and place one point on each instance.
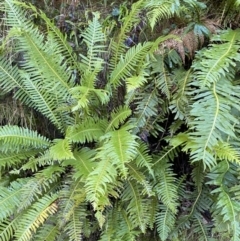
(142, 146)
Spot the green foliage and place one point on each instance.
(145, 148)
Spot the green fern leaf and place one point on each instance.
(35, 217)
(10, 198)
(120, 146)
(83, 162)
(166, 187)
(165, 220)
(47, 232)
(15, 138)
(61, 150)
(118, 116)
(88, 131)
(100, 183)
(162, 10)
(139, 177)
(143, 158)
(219, 59)
(127, 65)
(8, 227)
(137, 208)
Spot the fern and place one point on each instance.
(165, 220)
(221, 63)
(36, 216)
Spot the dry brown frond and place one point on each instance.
(189, 42)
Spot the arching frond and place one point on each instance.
(35, 217)
(14, 138)
(133, 59)
(88, 130)
(118, 116)
(212, 110)
(120, 146)
(219, 59)
(61, 150)
(165, 220)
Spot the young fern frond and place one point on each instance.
(83, 163)
(100, 183)
(61, 150)
(118, 117)
(121, 146)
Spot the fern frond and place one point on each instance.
(140, 178)
(39, 79)
(159, 10)
(100, 183)
(180, 102)
(144, 159)
(10, 198)
(201, 229)
(83, 163)
(147, 106)
(118, 116)
(9, 77)
(14, 159)
(219, 59)
(72, 209)
(88, 130)
(35, 217)
(9, 226)
(213, 110)
(56, 35)
(94, 38)
(74, 227)
(165, 220)
(117, 46)
(163, 79)
(137, 208)
(121, 146)
(61, 150)
(166, 187)
(226, 207)
(14, 138)
(48, 232)
(37, 186)
(126, 66)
